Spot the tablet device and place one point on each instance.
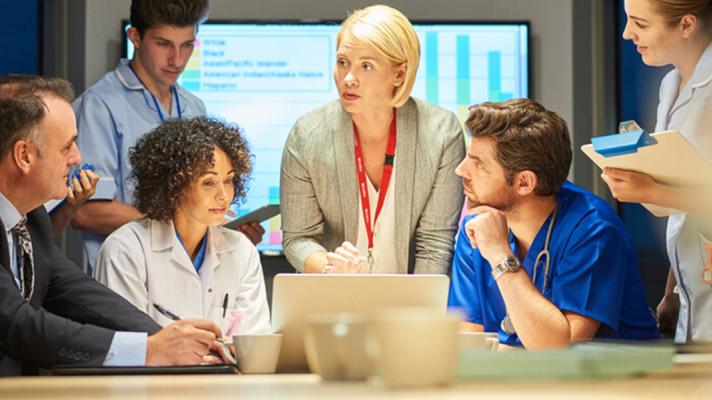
(173, 370)
(295, 296)
(258, 215)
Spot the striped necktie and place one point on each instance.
(25, 263)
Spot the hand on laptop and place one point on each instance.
(346, 259)
(184, 342)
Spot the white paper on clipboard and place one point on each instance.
(671, 161)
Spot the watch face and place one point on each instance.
(511, 263)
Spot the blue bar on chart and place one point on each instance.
(494, 73)
(431, 67)
(462, 54)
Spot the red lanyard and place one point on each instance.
(385, 181)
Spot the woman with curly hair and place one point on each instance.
(178, 260)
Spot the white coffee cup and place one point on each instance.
(416, 346)
(257, 354)
(336, 346)
(478, 340)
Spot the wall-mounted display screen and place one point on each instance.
(264, 75)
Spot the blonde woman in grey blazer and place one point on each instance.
(323, 220)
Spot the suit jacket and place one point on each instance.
(319, 197)
(70, 319)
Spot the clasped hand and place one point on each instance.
(489, 233)
(346, 259)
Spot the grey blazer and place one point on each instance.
(319, 188)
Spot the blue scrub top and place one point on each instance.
(198, 262)
(593, 272)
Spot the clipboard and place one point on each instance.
(666, 156)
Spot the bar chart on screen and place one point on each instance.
(263, 76)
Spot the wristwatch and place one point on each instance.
(508, 264)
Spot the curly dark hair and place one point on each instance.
(169, 158)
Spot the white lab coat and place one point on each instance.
(144, 262)
(690, 113)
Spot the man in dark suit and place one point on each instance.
(50, 312)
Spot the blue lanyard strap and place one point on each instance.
(155, 101)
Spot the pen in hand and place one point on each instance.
(225, 349)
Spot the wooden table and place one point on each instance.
(680, 382)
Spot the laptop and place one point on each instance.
(295, 296)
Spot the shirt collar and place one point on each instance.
(8, 213)
(126, 76)
(702, 74)
(163, 237)
(131, 82)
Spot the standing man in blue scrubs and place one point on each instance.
(131, 100)
(539, 260)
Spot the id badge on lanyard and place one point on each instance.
(363, 186)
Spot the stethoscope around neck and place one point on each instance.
(506, 324)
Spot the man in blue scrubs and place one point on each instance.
(581, 282)
(131, 100)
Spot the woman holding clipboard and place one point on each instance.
(678, 32)
(368, 181)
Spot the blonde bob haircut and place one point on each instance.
(389, 32)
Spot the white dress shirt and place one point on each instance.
(384, 232)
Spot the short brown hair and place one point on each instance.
(22, 108)
(146, 14)
(527, 137)
(168, 159)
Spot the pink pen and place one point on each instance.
(234, 323)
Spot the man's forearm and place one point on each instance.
(538, 322)
(670, 283)
(61, 216)
(104, 217)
